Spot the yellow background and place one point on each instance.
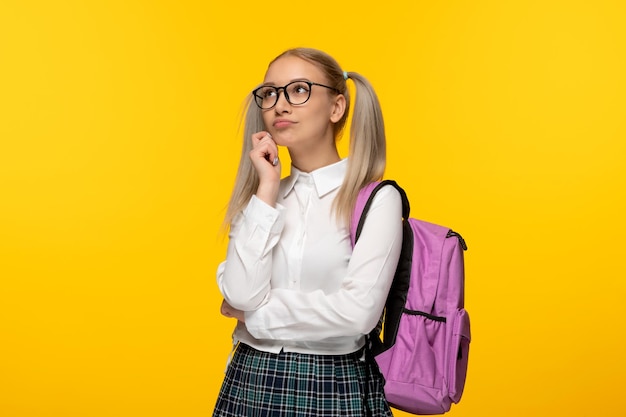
(118, 148)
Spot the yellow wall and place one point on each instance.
(119, 145)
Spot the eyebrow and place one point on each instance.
(292, 81)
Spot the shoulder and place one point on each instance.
(387, 193)
(387, 198)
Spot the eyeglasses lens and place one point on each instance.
(297, 92)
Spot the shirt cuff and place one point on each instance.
(256, 326)
(269, 218)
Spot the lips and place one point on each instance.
(282, 123)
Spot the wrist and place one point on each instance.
(268, 193)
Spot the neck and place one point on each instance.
(310, 160)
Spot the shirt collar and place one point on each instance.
(326, 179)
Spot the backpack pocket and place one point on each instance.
(414, 366)
(458, 354)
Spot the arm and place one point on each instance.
(244, 278)
(357, 306)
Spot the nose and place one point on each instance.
(282, 104)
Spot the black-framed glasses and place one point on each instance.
(296, 92)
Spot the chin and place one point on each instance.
(282, 139)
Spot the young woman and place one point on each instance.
(304, 299)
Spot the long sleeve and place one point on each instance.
(244, 279)
(355, 308)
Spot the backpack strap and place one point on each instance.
(396, 298)
(364, 201)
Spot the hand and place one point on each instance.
(228, 311)
(264, 157)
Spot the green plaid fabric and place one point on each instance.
(262, 384)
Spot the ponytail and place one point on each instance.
(247, 179)
(367, 147)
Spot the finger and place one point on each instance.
(224, 309)
(264, 147)
(259, 137)
(267, 149)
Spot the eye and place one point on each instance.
(267, 92)
(299, 88)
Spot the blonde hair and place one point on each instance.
(367, 151)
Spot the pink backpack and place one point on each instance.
(426, 331)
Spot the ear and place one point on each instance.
(338, 109)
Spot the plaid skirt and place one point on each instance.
(287, 384)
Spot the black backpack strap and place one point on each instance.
(406, 207)
(396, 299)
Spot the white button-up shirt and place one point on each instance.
(293, 271)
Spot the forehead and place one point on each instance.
(290, 68)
